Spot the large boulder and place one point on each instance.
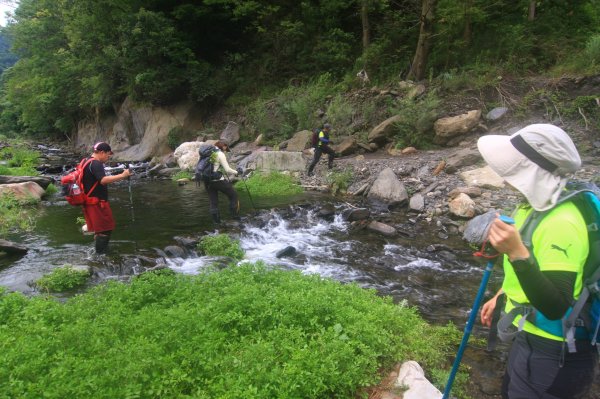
(135, 132)
(43, 181)
(231, 134)
(446, 128)
(12, 248)
(23, 191)
(482, 177)
(381, 132)
(347, 146)
(388, 189)
(299, 142)
(187, 153)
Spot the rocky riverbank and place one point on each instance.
(434, 179)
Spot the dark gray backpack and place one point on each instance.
(204, 171)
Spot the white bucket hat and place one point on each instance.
(535, 160)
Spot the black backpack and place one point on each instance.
(314, 140)
(204, 171)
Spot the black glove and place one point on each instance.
(240, 171)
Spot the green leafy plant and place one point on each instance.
(16, 214)
(273, 184)
(414, 128)
(50, 190)
(175, 137)
(63, 279)
(221, 245)
(339, 181)
(243, 332)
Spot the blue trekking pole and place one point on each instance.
(472, 317)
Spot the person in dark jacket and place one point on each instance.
(98, 215)
(222, 184)
(323, 146)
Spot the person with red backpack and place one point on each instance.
(96, 210)
(321, 143)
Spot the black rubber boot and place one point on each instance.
(235, 211)
(102, 243)
(216, 217)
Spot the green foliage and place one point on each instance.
(274, 184)
(62, 279)
(18, 161)
(592, 49)
(339, 181)
(51, 190)
(293, 109)
(175, 137)
(243, 332)
(417, 118)
(182, 174)
(77, 59)
(221, 245)
(16, 214)
(19, 156)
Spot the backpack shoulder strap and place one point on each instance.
(86, 162)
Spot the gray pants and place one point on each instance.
(534, 371)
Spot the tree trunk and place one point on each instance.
(366, 30)
(531, 15)
(419, 64)
(468, 31)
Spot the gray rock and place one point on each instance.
(382, 228)
(496, 113)
(174, 251)
(287, 251)
(388, 189)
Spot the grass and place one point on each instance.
(274, 184)
(244, 332)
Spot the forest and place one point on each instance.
(79, 58)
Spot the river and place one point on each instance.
(440, 280)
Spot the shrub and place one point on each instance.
(243, 332)
(16, 214)
(339, 181)
(50, 190)
(63, 279)
(175, 137)
(274, 184)
(221, 245)
(418, 117)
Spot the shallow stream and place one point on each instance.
(157, 213)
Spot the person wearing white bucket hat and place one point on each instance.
(536, 161)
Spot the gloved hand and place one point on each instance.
(240, 171)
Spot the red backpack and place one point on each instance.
(73, 184)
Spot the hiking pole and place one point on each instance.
(131, 196)
(472, 317)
